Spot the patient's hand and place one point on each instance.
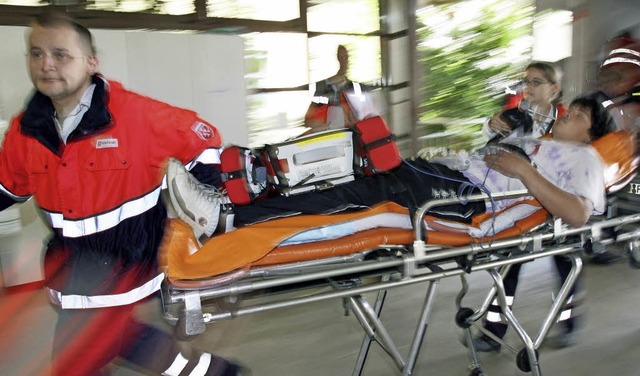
(509, 164)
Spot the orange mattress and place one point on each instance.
(258, 245)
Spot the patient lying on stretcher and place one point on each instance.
(564, 173)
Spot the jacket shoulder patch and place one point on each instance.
(203, 130)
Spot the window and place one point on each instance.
(339, 16)
(269, 10)
(280, 66)
(364, 57)
(171, 7)
(276, 60)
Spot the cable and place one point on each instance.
(465, 189)
(465, 185)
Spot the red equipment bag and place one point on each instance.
(243, 175)
(378, 151)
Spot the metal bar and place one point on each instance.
(438, 255)
(384, 285)
(576, 268)
(366, 341)
(421, 329)
(506, 311)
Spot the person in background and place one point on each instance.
(92, 154)
(329, 108)
(618, 82)
(618, 91)
(541, 87)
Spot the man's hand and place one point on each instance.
(574, 210)
(509, 164)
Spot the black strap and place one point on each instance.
(379, 142)
(515, 149)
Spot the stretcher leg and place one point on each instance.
(421, 329)
(474, 360)
(563, 294)
(373, 327)
(366, 315)
(366, 341)
(531, 354)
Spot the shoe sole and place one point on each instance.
(178, 203)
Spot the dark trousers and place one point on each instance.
(86, 340)
(411, 184)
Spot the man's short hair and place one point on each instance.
(601, 122)
(60, 19)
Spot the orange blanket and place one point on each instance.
(245, 245)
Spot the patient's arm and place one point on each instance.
(574, 210)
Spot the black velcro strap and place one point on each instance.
(514, 149)
(226, 176)
(379, 142)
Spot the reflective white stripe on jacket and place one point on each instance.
(101, 301)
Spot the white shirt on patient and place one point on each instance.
(574, 168)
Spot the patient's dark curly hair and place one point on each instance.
(601, 122)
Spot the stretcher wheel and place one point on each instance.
(462, 317)
(633, 249)
(477, 372)
(522, 360)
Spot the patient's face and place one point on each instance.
(574, 125)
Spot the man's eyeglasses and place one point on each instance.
(58, 57)
(534, 83)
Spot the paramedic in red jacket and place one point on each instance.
(92, 154)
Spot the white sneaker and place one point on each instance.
(195, 203)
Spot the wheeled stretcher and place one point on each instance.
(304, 259)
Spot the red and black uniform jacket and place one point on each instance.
(100, 193)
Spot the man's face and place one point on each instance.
(59, 66)
(574, 125)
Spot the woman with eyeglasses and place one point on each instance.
(540, 91)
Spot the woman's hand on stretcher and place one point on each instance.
(498, 125)
(572, 209)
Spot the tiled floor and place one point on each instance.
(317, 339)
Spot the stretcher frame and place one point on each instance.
(382, 269)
